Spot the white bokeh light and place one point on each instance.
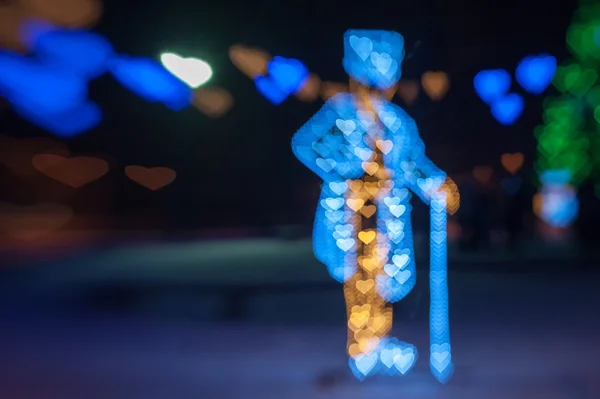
(191, 71)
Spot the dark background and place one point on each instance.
(239, 169)
(260, 317)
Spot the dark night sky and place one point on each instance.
(239, 169)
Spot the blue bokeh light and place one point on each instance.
(286, 76)
(270, 90)
(373, 58)
(80, 52)
(492, 84)
(559, 202)
(289, 74)
(507, 109)
(560, 207)
(69, 123)
(535, 73)
(50, 87)
(559, 177)
(26, 81)
(150, 80)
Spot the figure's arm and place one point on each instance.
(305, 138)
(427, 177)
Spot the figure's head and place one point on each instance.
(373, 57)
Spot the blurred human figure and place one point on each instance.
(370, 155)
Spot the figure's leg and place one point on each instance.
(369, 313)
(370, 321)
(399, 273)
(369, 318)
(385, 276)
(333, 234)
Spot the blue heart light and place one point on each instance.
(559, 177)
(44, 89)
(150, 80)
(80, 52)
(491, 84)
(560, 206)
(535, 73)
(507, 109)
(68, 123)
(289, 74)
(270, 90)
(511, 184)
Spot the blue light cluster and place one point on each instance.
(81, 53)
(393, 357)
(286, 76)
(151, 81)
(492, 86)
(370, 156)
(559, 203)
(50, 88)
(534, 74)
(373, 58)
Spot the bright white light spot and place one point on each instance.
(191, 71)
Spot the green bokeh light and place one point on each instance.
(570, 135)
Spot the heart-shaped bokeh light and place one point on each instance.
(508, 109)
(289, 74)
(80, 52)
(151, 178)
(46, 90)
(16, 154)
(286, 76)
(511, 184)
(270, 90)
(535, 73)
(435, 84)
(483, 174)
(150, 80)
(191, 71)
(75, 172)
(512, 162)
(408, 90)
(70, 123)
(492, 84)
(250, 61)
(213, 102)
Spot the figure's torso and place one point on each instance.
(368, 138)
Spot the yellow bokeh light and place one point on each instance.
(435, 84)
(310, 89)
(252, 62)
(452, 195)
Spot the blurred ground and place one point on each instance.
(175, 321)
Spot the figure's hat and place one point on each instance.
(373, 57)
